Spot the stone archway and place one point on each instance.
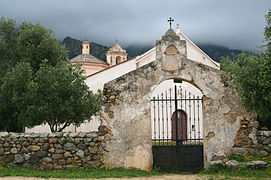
(128, 114)
(176, 126)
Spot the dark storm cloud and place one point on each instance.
(233, 23)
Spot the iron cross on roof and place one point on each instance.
(170, 20)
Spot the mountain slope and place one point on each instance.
(74, 48)
(217, 52)
(99, 51)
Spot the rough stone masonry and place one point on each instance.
(127, 107)
(53, 150)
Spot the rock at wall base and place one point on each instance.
(257, 165)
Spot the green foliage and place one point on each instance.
(14, 96)
(242, 171)
(36, 84)
(35, 44)
(8, 56)
(252, 78)
(61, 97)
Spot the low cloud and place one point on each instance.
(237, 24)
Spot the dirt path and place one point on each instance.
(164, 177)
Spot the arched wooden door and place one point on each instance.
(182, 125)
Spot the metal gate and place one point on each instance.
(177, 142)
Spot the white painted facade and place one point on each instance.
(96, 81)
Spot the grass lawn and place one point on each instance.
(241, 172)
(76, 173)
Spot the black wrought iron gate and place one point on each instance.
(177, 130)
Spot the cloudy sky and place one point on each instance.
(237, 24)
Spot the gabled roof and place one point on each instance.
(86, 58)
(183, 37)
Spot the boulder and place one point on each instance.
(41, 153)
(47, 159)
(82, 134)
(59, 151)
(103, 130)
(80, 153)
(27, 157)
(34, 148)
(57, 156)
(232, 164)
(46, 146)
(216, 164)
(52, 140)
(69, 147)
(73, 134)
(1, 152)
(33, 159)
(257, 165)
(267, 141)
(4, 134)
(13, 150)
(18, 158)
(24, 150)
(82, 146)
(93, 150)
(67, 154)
(58, 146)
(239, 151)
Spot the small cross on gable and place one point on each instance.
(170, 20)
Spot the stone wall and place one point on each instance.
(53, 150)
(252, 142)
(264, 142)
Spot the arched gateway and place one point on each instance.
(128, 110)
(176, 125)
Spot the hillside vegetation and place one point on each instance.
(74, 48)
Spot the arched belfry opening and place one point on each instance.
(177, 125)
(118, 59)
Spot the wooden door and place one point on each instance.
(182, 125)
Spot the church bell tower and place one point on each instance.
(85, 47)
(116, 55)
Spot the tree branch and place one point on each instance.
(65, 125)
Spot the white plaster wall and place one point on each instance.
(146, 58)
(44, 128)
(92, 125)
(98, 80)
